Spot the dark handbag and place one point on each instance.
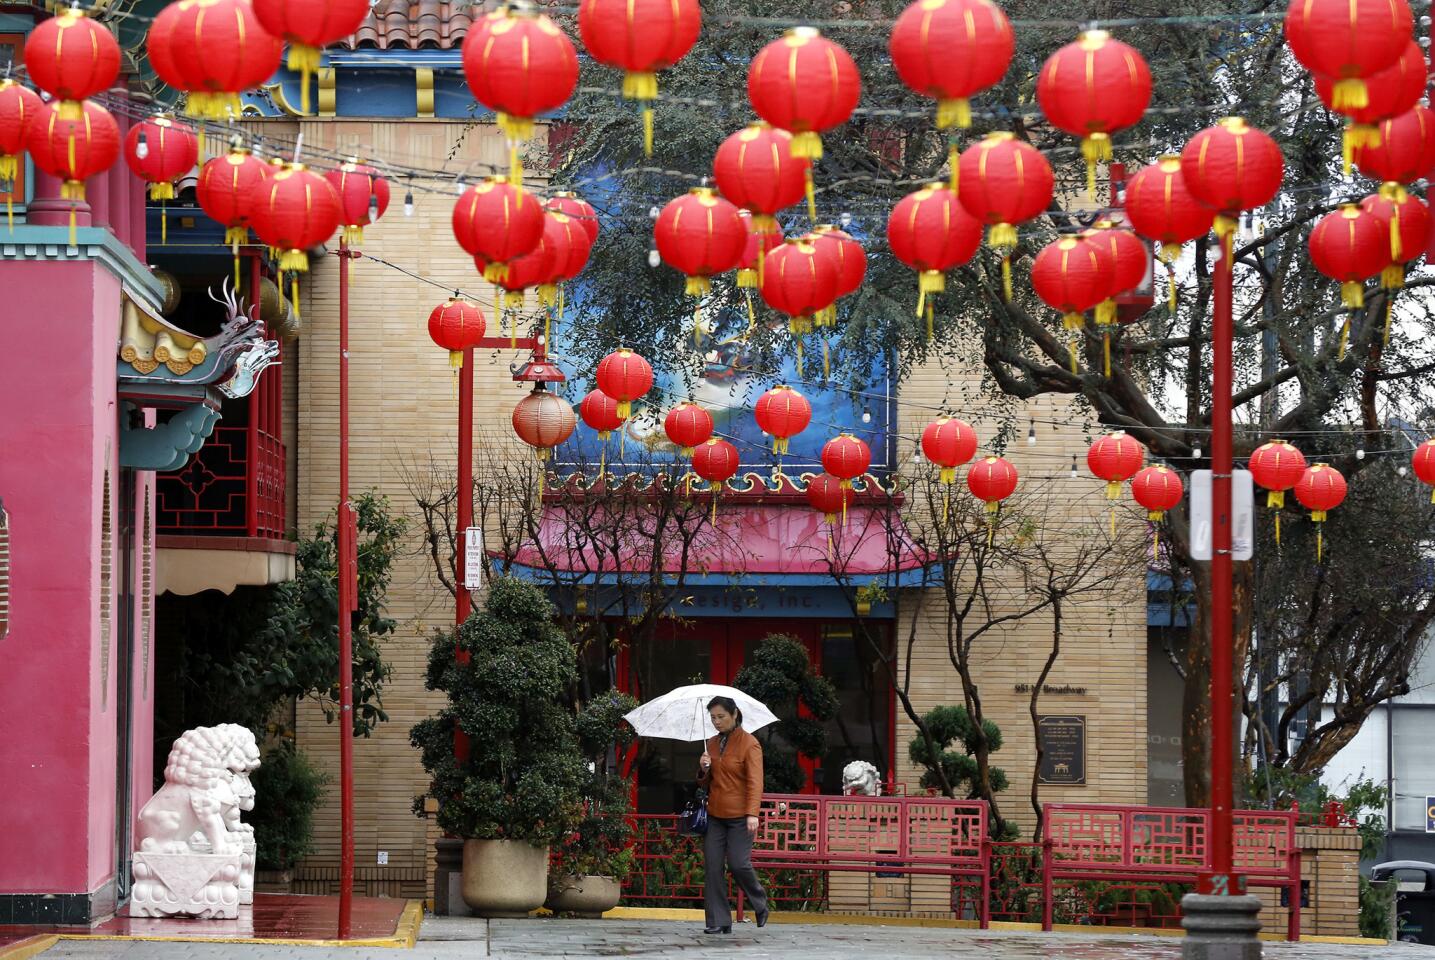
(693, 820)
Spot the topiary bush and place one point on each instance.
(506, 674)
(288, 789)
(779, 674)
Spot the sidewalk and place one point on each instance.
(443, 938)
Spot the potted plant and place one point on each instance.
(287, 789)
(594, 859)
(519, 787)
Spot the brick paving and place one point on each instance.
(444, 938)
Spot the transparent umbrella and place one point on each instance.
(682, 714)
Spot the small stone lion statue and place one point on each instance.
(196, 857)
(860, 778)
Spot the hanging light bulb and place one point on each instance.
(459, 186)
(142, 148)
(409, 204)
(653, 213)
(1031, 435)
(1074, 474)
(373, 208)
(866, 415)
(1402, 471)
(1195, 453)
(1360, 454)
(654, 258)
(845, 219)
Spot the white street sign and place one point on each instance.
(473, 558)
(1243, 506)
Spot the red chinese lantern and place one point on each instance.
(1232, 167)
(1071, 275)
(755, 169)
(600, 412)
(701, 235)
(1115, 458)
(828, 496)
(1158, 489)
(159, 151)
(1092, 88)
(716, 461)
(782, 413)
(1408, 222)
(846, 458)
(308, 26)
(519, 64)
(759, 245)
(581, 210)
(363, 197)
(1348, 40)
(227, 187)
(1350, 245)
(1129, 259)
(212, 50)
(804, 83)
(498, 222)
(572, 247)
(18, 108)
(543, 420)
(1320, 489)
(72, 58)
(1276, 466)
(73, 150)
(951, 50)
(456, 326)
(949, 443)
(842, 247)
(1004, 182)
(1390, 92)
(295, 210)
(543, 266)
(640, 37)
(798, 282)
(1161, 209)
(992, 480)
(624, 376)
(688, 425)
(1406, 150)
(932, 232)
(1423, 463)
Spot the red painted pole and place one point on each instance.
(347, 588)
(1222, 796)
(463, 602)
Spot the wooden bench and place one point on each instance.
(910, 836)
(1165, 845)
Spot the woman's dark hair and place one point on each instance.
(728, 704)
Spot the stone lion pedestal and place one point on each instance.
(195, 857)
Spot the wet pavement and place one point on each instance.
(443, 938)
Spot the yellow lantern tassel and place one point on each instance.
(74, 236)
(1385, 336)
(1349, 95)
(602, 461)
(1171, 287)
(826, 361)
(751, 315)
(1319, 544)
(807, 146)
(956, 112)
(1278, 529)
(163, 224)
(294, 287)
(647, 131)
(1344, 338)
(1352, 294)
(715, 499)
(931, 321)
(946, 504)
(799, 359)
(954, 160)
(811, 190)
(1074, 323)
(1113, 521)
(1106, 351)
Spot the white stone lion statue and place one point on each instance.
(862, 779)
(196, 857)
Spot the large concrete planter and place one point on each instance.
(504, 878)
(587, 896)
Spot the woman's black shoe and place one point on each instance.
(762, 918)
(717, 929)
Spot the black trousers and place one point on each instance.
(727, 841)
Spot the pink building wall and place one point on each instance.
(58, 703)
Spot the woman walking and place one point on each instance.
(731, 771)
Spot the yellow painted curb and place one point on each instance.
(27, 948)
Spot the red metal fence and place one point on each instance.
(1100, 865)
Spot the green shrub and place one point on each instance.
(287, 790)
(780, 675)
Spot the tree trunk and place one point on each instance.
(1196, 712)
(1036, 723)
